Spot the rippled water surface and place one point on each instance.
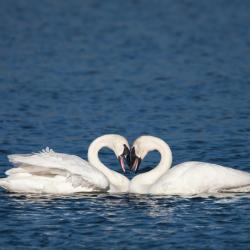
(73, 70)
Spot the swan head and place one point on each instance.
(139, 150)
(120, 147)
(118, 144)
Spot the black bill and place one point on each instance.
(124, 157)
(135, 161)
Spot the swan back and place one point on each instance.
(200, 177)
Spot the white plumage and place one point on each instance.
(187, 178)
(201, 177)
(57, 173)
(51, 172)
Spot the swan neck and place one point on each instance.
(93, 155)
(166, 158)
(153, 175)
(117, 181)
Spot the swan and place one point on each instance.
(188, 178)
(56, 173)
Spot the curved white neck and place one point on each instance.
(153, 175)
(116, 180)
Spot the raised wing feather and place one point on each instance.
(49, 163)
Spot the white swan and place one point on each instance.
(56, 173)
(186, 178)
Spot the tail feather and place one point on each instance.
(18, 159)
(13, 171)
(3, 183)
(243, 189)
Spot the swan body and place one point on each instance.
(183, 179)
(200, 177)
(57, 173)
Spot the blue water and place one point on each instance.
(73, 70)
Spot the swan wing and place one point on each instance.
(30, 183)
(51, 168)
(200, 177)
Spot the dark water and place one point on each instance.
(73, 70)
